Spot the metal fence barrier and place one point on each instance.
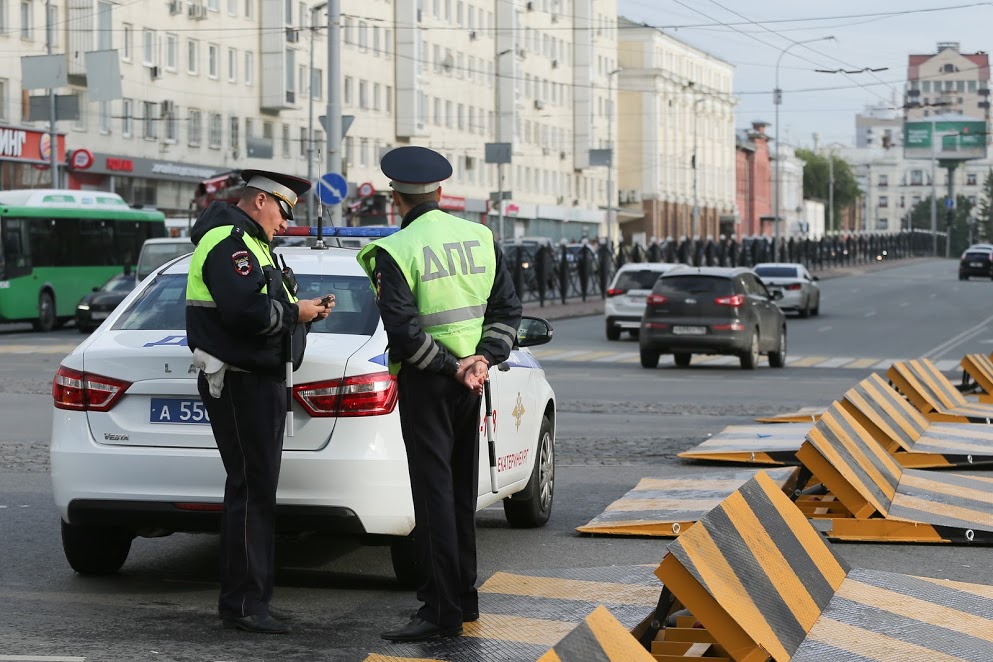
(543, 272)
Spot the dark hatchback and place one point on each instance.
(94, 308)
(711, 310)
(977, 260)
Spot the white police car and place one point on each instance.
(133, 454)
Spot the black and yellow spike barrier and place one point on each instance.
(909, 436)
(872, 498)
(599, 638)
(980, 368)
(936, 397)
(801, 415)
(665, 507)
(765, 585)
(752, 444)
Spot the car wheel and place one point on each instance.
(532, 506)
(963, 277)
(750, 359)
(682, 359)
(649, 358)
(403, 555)
(805, 311)
(96, 550)
(816, 310)
(634, 333)
(777, 359)
(46, 313)
(613, 333)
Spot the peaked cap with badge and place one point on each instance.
(415, 170)
(285, 188)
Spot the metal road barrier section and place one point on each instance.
(599, 637)
(935, 396)
(801, 415)
(522, 616)
(665, 507)
(753, 444)
(766, 585)
(878, 500)
(907, 434)
(979, 367)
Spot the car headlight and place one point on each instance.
(83, 306)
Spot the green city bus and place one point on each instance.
(56, 246)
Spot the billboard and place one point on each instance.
(952, 137)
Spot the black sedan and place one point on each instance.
(94, 308)
(977, 260)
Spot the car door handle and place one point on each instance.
(503, 367)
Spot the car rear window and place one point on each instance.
(154, 256)
(636, 279)
(162, 305)
(696, 284)
(977, 255)
(776, 272)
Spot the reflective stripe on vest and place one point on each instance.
(197, 293)
(449, 264)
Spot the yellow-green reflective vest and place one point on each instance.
(449, 264)
(196, 289)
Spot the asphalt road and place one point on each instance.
(618, 423)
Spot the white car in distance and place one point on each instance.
(800, 290)
(627, 294)
(132, 452)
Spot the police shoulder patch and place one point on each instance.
(242, 262)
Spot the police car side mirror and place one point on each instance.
(533, 331)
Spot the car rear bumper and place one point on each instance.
(792, 300)
(624, 321)
(967, 270)
(714, 342)
(350, 490)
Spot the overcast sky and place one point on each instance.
(883, 40)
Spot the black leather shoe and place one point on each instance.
(279, 614)
(261, 623)
(418, 629)
(470, 616)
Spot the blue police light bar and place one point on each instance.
(311, 231)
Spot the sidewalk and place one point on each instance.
(554, 309)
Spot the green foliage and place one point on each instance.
(961, 230)
(817, 181)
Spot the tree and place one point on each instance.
(817, 181)
(984, 211)
(960, 230)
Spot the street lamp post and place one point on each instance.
(777, 100)
(334, 100)
(499, 133)
(310, 110)
(696, 203)
(611, 229)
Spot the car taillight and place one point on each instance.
(614, 291)
(656, 299)
(733, 326)
(364, 395)
(735, 301)
(793, 286)
(84, 391)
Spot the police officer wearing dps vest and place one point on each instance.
(243, 323)
(450, 310)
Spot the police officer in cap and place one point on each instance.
(450, 310)
(243, 322)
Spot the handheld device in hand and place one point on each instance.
(327, 299)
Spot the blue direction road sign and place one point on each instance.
(949, 203)
(332, 188)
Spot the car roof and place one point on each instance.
(980, 247)
(340, 261)
(648, 266)
(169, 240)
(776, 264)
(720, 272)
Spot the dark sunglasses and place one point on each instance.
(284, 209)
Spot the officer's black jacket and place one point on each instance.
(398, 309)
(247, 329)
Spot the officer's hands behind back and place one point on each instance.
(473, 372)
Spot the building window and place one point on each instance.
(289, 12)
(171, 52)
(363, 151)
(249, 68)
(213, 60)
(3, 17)
(286, 140)
(193, 57)
(884, 201)
(235, 137)
(150, 123)
(196, 128)
(214, 5)
(316, 83)
(916, 178)
(389, 99)
(291, 68)
(363, 35)
(346, 30)
(375, 40)
(214, 131)
(915, 200)
(884, 181)
(972, 200)
(127, 36)
(970, 179)
(27, 19)
(250, 8)
(347, 91)
(375, 96)
(105, 28)
(3, 98)
(232, 65)
(172, 126)
(127, 118)
(233, 7)
(363, 96)
(148, 48)
(105, 117)
(303, 141)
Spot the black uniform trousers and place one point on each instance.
(439, 418)
(247, 421)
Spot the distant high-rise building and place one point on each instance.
(948, 81)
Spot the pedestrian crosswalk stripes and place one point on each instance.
(573, 355)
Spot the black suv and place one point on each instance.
(711, 310)
(977, 260)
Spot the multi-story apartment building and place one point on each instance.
(212, 85)
(956, 81)
(677, 136)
